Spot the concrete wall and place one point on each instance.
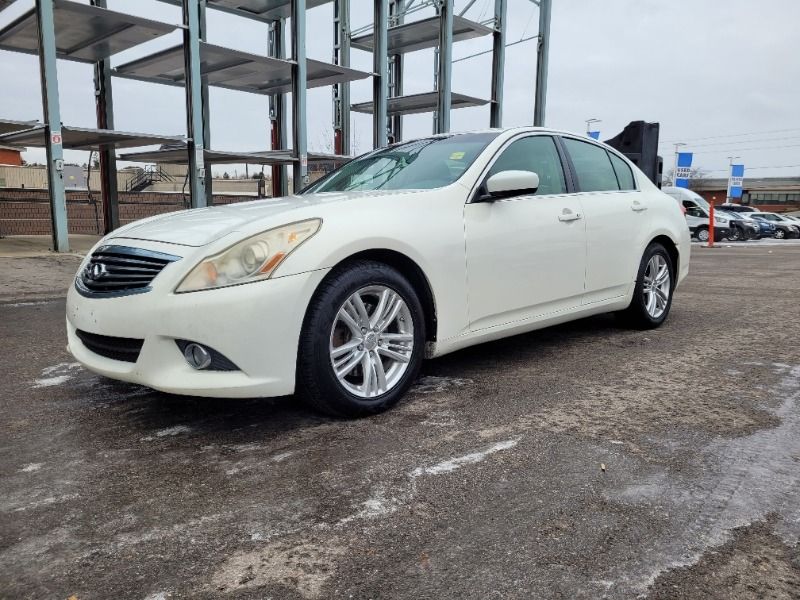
(35, 178)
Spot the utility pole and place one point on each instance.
(542, 58)
(675, 165)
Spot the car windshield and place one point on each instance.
(419, 165)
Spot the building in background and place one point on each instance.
(11, 155)
(776, 194)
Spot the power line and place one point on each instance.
(715, 137)
(753, 168)
(743, 149)
(734, 144)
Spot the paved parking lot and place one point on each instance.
(583, 461)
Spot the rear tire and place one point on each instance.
(702, 234)
(779, 234)
(652, 296)
(362, 342)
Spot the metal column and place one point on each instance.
(194, 102)
(498, 63)
(206, 107)
(277, 111)
(444, 67)
(396, 8)
(341, 91)
(52, 118)
(542, 57)
(104, 102)
(299, 141)
(380, 66)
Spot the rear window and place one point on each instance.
(592, 166)
(623, 171)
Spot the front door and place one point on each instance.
(526, 255)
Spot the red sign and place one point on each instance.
(55, 138)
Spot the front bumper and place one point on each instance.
(255, 325)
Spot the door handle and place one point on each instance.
(638, 206)
(568, 215)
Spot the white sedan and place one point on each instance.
(405, 253)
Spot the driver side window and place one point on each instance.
(537, 154)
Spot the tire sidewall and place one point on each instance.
(702, 233)
(320, 320)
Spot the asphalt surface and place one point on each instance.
(582, 461)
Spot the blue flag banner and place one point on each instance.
(595, 135)
(683, 169)
(735, 181)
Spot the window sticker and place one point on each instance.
(457, 155)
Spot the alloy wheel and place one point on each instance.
(371, 341)
(656, 286)
(702, 235)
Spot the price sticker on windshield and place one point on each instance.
(457, 155)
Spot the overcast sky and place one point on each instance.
(722, 76)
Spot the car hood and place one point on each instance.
(201, 226)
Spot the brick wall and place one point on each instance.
(27, 212)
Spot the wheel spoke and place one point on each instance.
(386, 296)
(368, 370)
(393, 354)
(355, 358)
(358, 302)
(661, 294)
(397, 337)
(651, 302)
(662, 276)
(345, 348)
(379, 372)
(348, 320)
(395, 309)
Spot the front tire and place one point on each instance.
(652, 296)
(702, 234)
(362, 342)
(736, 235)
(779, 234)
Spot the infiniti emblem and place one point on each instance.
(95, 271)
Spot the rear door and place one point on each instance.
(616, 218)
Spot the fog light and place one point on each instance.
(197, 356)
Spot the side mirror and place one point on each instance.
(511, 183)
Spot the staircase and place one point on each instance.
(147, 177)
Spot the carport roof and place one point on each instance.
(79, 138)
(84, 33)
(221, 157)
(9, 126)
(420, 103)
(233, 69)
(418, 35)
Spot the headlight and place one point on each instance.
(720, 220)
(253, 259)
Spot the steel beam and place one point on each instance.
(104, 102)
(194, 103)
(498, 63)
(206, 107)
(380, 63)
(277, 111)
(396, 8)
(341, 91)
(299, 141)
(444, 67)
(52, 119)
(542, 58)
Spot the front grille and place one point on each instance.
(116, 348)
(120, 270)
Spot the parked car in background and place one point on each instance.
(742, 228)
(784, 227)
(409, 252)
(737, 208)
(697, 214)
(766, 227)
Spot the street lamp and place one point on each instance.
(589, 123)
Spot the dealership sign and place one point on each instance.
(683, 169)
(735, 181)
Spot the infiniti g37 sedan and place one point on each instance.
(408, 252)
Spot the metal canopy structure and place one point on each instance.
(221, 157)
(83, 33)
(422, 34)
(263, 10)
(79, 138)
(420, 103)
(233, 69)
(8, 126)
